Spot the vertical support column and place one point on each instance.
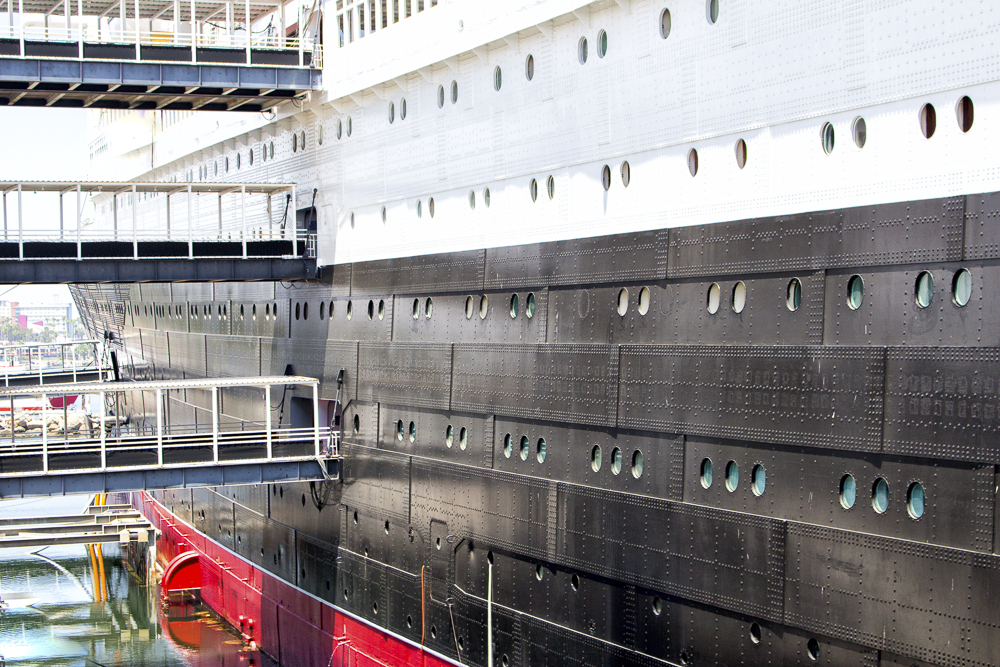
(215, 424)
(267, 419)
(79, 21)
(138, 28)
(72, 349)
(159, 427)
(104, 436)
(230, 19)
(299, 24)
(489, 614)
(45, 435)
(243, 216)
(6, 377)
(295, 226)
(20, 34)
(12, 419)
(114, 217)
(67, 12)
(190, 227)
(62, 217)
(135, 221)
(316, 417)
(20, 226)
(40, 379)
(4, 215)
(79, 225)
(270, 218)
(281, 24)
(177, 21)
(194, 34)
(121, 16)
(248, 26)
(220, 217)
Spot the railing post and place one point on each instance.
(45, 436)
(301, 41)
(194, 34)
(243, 214)
(79, 21)
(138, 28)
(316, 416)
(73, 351)
(295, 227)
(62, 216)
(249, 32)
(20, 28)
(135, 213)
(159, 427)
(104, 438)
(267, 419)
(6, 371)
(79, 224)
(40, 379)
(190, 227)
(215, 424)
(20, 223)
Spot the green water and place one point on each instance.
(55, 620)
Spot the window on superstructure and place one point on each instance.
(440, 97)
(928, 120)
(966, 114)
(497, 78)
(302, 139)
(295, 143)
(402, 109)
(828, 137)
(251, 157)
(529, 67)
(340, 129)
(665, 23)
(859, 129)
(602, 44)
(712, 11)
(581, 50)
(741, 153)
(392, 112)
(454, 92)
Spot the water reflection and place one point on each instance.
(59, 614)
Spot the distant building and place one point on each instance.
(37, 315)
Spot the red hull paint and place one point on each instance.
(294, 627)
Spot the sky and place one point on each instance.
(42, 145)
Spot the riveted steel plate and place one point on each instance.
(317, 359)
(250, 528)
(630, 462)
(472, 318)
(446, 272)
(412, 374)
(603, 259)
(982, 226)
(348, 319)
(251, 496)
(377, 482)
(385, 540)
(258, 318)
(805, 485)
(222, 522)
(454, 437)
(317, 567)
(811, 396)
(727, 559)
(155, 347)
(404, 603)
(886, 593)
(943, 403)
(900, 233)
(239, 292)
(279, 550)
(890, 315)
(187, 353)
(361, 586)
(232, 356)
(213, 317)
(361, 424)
(576, 383)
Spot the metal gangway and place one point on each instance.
(23, 364)
(155, 54)
(53, 232)
(177, 435)
(99, 524)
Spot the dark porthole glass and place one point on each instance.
(880, 495)
(915, 500)
(732, 476)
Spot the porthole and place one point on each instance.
(758, 480)
(859, 131)
(463, 438)
(399, 430)
(540, 450)
(574, 581)
(622, 301)
(271, 147)
(755, 633)
(454, 92)
(606, 177)
(602, 44)
(533, 188)
(381, 309)
(657, 606)
(712, 11)
(383, 215)
(449, 436)
(302, 140)
(330, 309)
(692, 160)
(529, 67)
(497, 78)
(637, 464)
(440, 97)
(267, 311)
(880, 495)
(352, 219)
(539, 573)
(483, 307)
(644, 301)
(741, 153)
(416, 309)
(508, 445)
(227, 165)
(550, 186)
(915, 500)
(434, 630)
(812, 649)
(420, 209)
(714, 297)
(732, 476)
(626, 172)
(486, 197)
(961, 287)
(392, 112)
(253, 312)
(596, 458)
(371, 309)
(305, 311)
(828, 137)
(402, 109)
(665, 23)
(437, 545)
(928, 120)
(855, 292)
(529, 306)
(469, 307)
(386, 526)
(322, 310)
(616, 460)
(924, 289)
(298, 310)
(525, 447)
(295, 143)
(413, 431)
(250, 155)
(472, 199)
(514, 309)
(581, 50)
(319, 138)
(966, 114)
(350, 126)
(409, 621)
(428, 308)
(430, 206)
(739, 300)
(340, 129)
(793, 294)
(350, 309)
(357, 424)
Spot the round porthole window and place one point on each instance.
(440, 97)
(484, 307)
(508, 445)
(402, 109)
(637, 464)
(497, 79)
(514, 306)
(732, 476)
(486, 197)
(622, 301)
(961, 287)
(472, 199)
(602, 44)
(665, 23)
(469, 305)
(454, 92)
(793, 294)
(880, 495)
(644, 301)
(540, 450)
(706, 473)
(350, 126)
(533, 189)
(965, 112)
(392, 112)
(692, 161)
(529, 306)
(739, 300)
(550, 186)
(855, 292)
(596, 458)
(924, 289)
(758, 480)
(714, 297)
(581, 50)
(525, 447)
(616, 460)
(915, 500)
(712, 11)
(741, 153)
(828, 136)
(529, 67)
(928, 121)
(606, 178)
(859, 131)
(626, 172)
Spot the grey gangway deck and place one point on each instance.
(107, 453)
(151, 231)
(197, 54)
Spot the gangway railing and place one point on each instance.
(20, 361)
(45, 443)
